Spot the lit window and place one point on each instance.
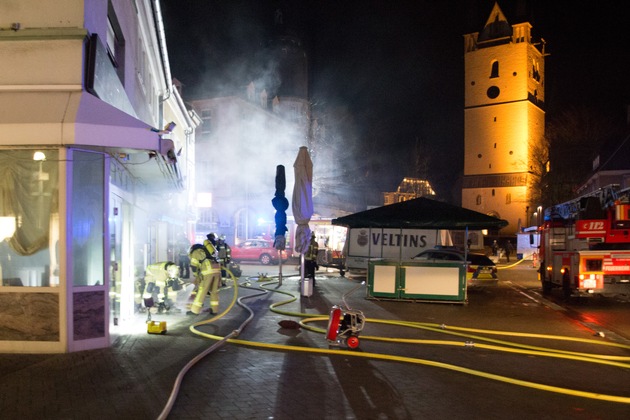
(87, 202)
(29, 234)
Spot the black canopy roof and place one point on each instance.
(420, 213)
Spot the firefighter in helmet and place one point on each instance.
(210, 243)
(160, 279)
(310, 258)
(183, 260)
(204, 263)
(225, 256)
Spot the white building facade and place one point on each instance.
(94, 175)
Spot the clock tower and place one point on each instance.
(503, 119)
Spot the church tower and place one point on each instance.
(504, 119)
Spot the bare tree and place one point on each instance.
(539, 173)
(575, 135)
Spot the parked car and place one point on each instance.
(259, 250)
(479, 266)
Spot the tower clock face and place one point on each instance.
(493, 92)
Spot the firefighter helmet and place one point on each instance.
(196, 247)
(173, 270)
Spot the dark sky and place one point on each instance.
(398, 65)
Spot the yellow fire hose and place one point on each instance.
(468, 333)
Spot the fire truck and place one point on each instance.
(585, 244)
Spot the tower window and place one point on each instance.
(479, 200)
(493, 192)
(535, 72)
(508, 198)
(494, 72)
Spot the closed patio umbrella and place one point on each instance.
(302, 204)
(281, 204)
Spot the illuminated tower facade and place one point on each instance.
(503, 119)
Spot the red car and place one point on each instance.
(259, 250)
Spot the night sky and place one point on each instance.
(397, 66)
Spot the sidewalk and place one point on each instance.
(134, 378)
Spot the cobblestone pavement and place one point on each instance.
(135, 376)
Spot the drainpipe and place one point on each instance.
(159, 28)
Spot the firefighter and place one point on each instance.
(509, 249)
(183, 260)
(159, 279)
(225, 256)
(310, 258)
(495, 248)
(203, 261)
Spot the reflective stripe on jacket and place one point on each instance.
(313, 249)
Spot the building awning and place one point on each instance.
(77, 118)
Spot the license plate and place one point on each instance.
(590, 283)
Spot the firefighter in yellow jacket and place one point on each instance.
(225, 257)
(310, 258)
(159, 279)
(203, 261)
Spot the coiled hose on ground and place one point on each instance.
(469, 334)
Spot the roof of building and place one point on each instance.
(497, 27)
(420, 213)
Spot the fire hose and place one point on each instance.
(468, 333)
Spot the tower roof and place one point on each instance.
(497, 29)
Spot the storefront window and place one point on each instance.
(87, 218)
(29, 218)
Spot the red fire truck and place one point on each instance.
(585, 244)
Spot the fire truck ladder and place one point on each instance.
(592, 203)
